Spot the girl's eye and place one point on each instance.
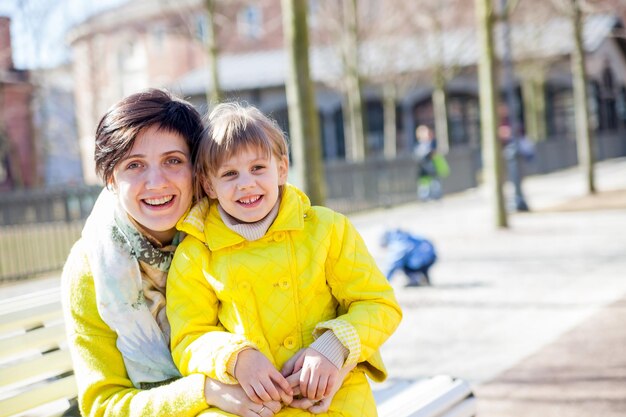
(133, 165)
(258, 167)
(229, 174)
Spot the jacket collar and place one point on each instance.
(294, 206)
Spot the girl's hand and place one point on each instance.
(318, 375)
(316, 407)
(233, 399)
(259, 379)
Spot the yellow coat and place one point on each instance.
(310, 272)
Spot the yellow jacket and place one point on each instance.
(310, 272)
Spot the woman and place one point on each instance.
(114, 278)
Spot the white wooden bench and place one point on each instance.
(36, 377)
(438, 396)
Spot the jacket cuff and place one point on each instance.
(232, 361)
(347, 335)
(331, 347)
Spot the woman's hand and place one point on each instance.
(233, 399)
(260, 380)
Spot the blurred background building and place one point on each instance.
(408, 51)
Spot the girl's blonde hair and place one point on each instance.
(231, 128)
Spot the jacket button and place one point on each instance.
(279, 236)
(290, 342)
(284, 284)
(245, 286)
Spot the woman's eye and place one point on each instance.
(133, 165)
(174, 161)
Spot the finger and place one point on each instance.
(251, 393)
(288, 367)
(285, 397)
(332, 380)
(299, 362)
(302, 403)
(304, 382)
(271, 390)
(316, 386)
(294, 381)
(322, 386)
(261, 394)
(321, 406)
(274, 406)
(282, 382)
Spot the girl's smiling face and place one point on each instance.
(247, 184)
(153, 182)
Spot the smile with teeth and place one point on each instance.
(158, 201)
(250, 200)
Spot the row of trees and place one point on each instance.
(425, 28)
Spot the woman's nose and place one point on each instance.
(155, 179)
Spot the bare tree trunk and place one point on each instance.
(534, 103)
(213, 92)
(355, 144)
(440, 110)
(583, 132)
(303, 119)
(492, 163)
(389, 112)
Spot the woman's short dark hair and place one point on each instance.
(118, 128)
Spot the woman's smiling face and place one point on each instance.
(153, 182)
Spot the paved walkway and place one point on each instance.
(534, 316)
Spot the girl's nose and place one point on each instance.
(245, 182)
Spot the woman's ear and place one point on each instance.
(208, 189)
(283, 169)
(111, 186)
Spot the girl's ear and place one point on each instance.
(283, 169)
(208, 189)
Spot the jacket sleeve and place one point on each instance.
(199, 342)
(104, 388)
(368, 308)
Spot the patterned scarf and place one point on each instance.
(115, 249)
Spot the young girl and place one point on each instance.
(262, 274)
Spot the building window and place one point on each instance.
(313, 12)
(621, 106)
(608, 101)
(132, 64)
(201, 24)
(158, 37)
(561, 120)
(463, 119)
(375, 127)
(250, 22)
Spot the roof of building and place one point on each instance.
(265, 69)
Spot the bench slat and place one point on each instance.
(30, 317)
(52, 391)
(25, 301)
(37, 369)
(40, 339)
(426, 398)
